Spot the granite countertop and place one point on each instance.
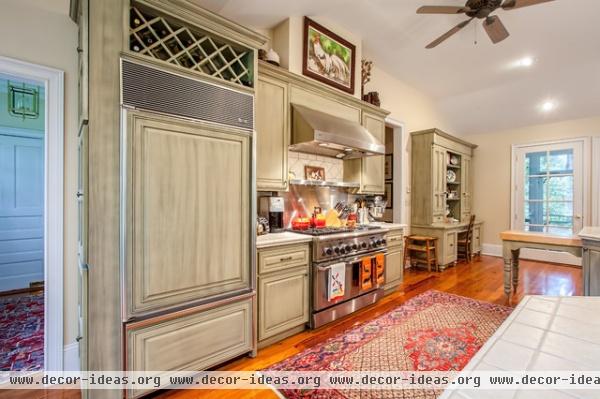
(542, 333)
(590, 233)
(275, 239)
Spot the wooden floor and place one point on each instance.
(480, 280)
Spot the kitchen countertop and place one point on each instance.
(275, 239)
(542, 333)
(448, 226)
(590, 233)
(389, 226)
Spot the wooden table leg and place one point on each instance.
(515, 268)
(507, 255)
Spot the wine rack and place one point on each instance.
(155, 36)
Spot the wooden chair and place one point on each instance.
(421, 249)
(464, 242)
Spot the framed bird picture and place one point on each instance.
(327, 57)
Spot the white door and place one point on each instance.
(548, 190)
(21, 211)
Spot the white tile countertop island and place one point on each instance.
(543, 333)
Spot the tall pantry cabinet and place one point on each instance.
(167, 196)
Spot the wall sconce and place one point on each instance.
(23, 101)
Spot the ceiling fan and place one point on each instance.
(479, 9)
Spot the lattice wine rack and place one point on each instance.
(168, 40)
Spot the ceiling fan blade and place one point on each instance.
(448, 34)
(495, 29)
(514, 4)
(442, 10)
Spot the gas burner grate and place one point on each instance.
(333, 230)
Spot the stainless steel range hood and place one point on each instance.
(317, 132)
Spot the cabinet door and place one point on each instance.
(188, 216)
(466, 196)
(283, 302)
(83, 54)
(272, 134)
(591, 272)
(450, 250)
(476, 246)
(82, 234)
(393, 267)
(438, 170)
(372, 180)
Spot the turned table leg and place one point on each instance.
(507, 255)
(515, 268)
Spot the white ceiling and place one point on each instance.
(473, 85)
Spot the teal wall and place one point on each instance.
(17, 122)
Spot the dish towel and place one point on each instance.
(366, 274)
(337, 281)
(380, 262)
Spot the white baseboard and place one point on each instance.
(534, 254)
(71, 357)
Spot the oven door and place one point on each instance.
(354, 280)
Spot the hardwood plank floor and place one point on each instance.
(481, 279)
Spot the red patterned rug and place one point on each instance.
(22, 332)
(434, 331)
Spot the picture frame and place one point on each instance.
(327, 57)
(314, 173)
(389, 195)
(389, 167)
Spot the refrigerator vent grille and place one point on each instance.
(157, 90)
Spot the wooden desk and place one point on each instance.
(514, 240)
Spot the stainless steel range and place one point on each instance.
(361, 252)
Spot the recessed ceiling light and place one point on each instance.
(548, 106)
(526, 62)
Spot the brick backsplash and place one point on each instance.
(334, 168)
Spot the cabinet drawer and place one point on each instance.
(281, 258)
(289, 288)
(395, 240)
(194, 342)
(438, 219)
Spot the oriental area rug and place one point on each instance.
(434, 331)
(22, 332)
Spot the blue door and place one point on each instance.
(21, 210)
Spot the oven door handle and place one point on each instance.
(350, 260)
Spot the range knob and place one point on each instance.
(342, 251)
(363, 245)
(378, 242)
(354, 246)
(372, 243)
(336, 249)
(348, 248)
(384, 241)
(328, 251)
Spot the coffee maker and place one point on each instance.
(272, 209)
